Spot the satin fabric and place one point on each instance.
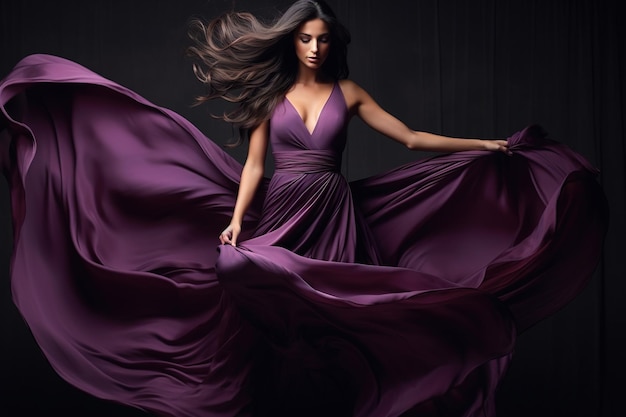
(400, 294)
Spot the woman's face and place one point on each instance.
(312, 42)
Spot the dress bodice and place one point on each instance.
(289, 133)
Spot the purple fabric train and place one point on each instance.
(396, 295)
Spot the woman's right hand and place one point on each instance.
(230, 234)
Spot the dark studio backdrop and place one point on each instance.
(469, 68)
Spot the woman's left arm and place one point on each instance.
(362, 104)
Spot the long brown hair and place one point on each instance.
(245, 61)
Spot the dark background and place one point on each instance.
(469, 68)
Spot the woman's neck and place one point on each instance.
(307, 76)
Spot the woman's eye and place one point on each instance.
(304, 40)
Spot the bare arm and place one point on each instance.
(251, 175)
(362, 104)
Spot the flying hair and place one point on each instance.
(246, 61)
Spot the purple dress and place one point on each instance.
(400, 294)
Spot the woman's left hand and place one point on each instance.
(498, 145)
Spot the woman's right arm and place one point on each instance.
(251, 175)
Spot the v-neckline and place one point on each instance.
(319, 117)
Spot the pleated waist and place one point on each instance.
(307, 161)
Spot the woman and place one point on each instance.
(396, 295)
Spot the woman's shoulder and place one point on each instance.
(348, 85)
(352, 92)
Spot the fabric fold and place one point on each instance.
(396, 295)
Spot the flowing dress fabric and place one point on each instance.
(399, 294)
